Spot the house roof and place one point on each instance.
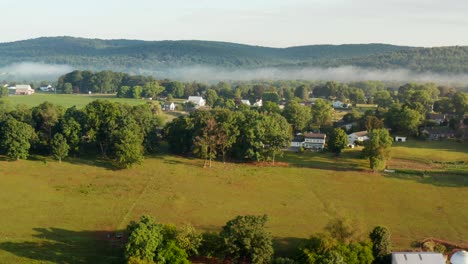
(195, 99)
(314, 135)
(417, 258)
(435, 116)
(360, 133)
(439, 130)
(23, 86)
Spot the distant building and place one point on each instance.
(417, 258)
(400, 139)
(24, 90)
(438, 133)
(437, 118)
(314, 141)
(245, 102)
(258, 103)
(47, 88)
(339, 104)
(169, 107)
(357, 136)
(198, 101)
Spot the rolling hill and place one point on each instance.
(138, 56)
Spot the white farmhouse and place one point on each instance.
(24, 90)
(198, 101)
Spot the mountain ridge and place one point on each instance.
(137, 56)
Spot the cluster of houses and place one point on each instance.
(317, 141)
(199, 102)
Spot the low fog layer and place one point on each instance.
(344, 74)
(41, 71)
(34, 71)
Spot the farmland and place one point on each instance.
(63, 212)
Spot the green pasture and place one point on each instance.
(68, 100)
(68, 212)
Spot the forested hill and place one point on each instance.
(137, 55)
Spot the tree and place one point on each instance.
(381, 243)
(404, 120)
(208, 141)
(322, 113)
(343, 230)
(151, 89)
(373, 122)
(15, 138)
(143, 240)
(246, 239)
(3, 91)
(172, 254)
(211, 97)
(337, 141)
(460, 103)
(46, 116)
(71, 130)
(383, 98)
(59, 147)
(276, 136)
(271, 97)
(128, 145)
(302, 92)
(357, 96)
(189, 239)
(297, 115)
(377, 148)
(67, 88)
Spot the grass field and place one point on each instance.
(68, 100)
(62, 213)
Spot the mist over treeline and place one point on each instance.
(36, 72)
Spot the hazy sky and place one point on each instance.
(277, 23)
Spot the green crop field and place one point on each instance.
(54, 212)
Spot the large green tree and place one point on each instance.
(381, 243)
(297, 115)
(15, 138)
(246, 239)
(143, 240)
(128, 145)
(337, 141)
(59, 147)
(322, 113)
(377, 148)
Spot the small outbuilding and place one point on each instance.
(417, 258)
(400, 139)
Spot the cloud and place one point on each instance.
(344, 74)
(31, 70)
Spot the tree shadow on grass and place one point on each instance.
(65, 246)
(442, 179)
(287, 246)
(92, 161)
(324, 161)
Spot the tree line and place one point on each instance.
(245, 239)
(116, 131)
(244, 134)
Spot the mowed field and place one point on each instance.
(54, 212)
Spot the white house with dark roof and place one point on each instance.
(312, 141)
(198, 101)
(417, 258)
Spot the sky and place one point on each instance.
(274, 23)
